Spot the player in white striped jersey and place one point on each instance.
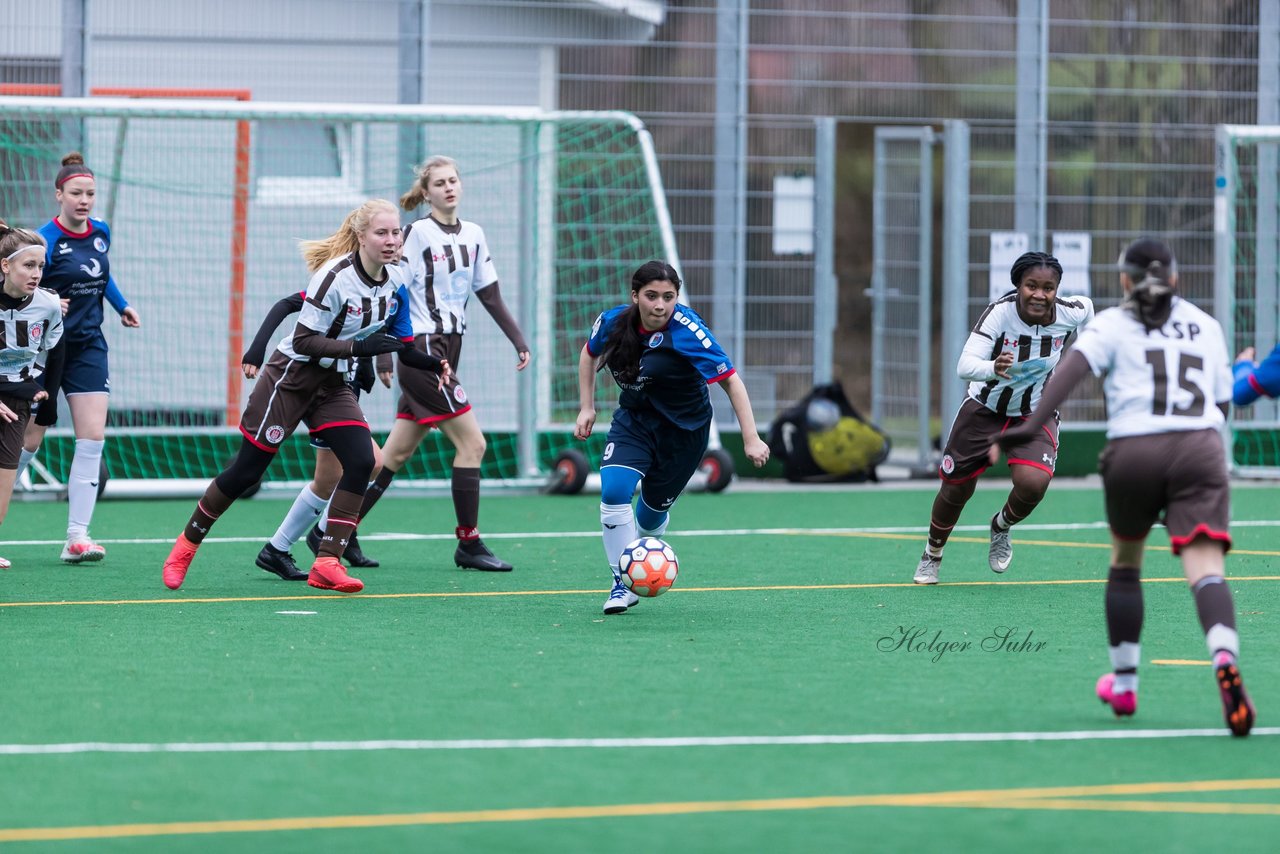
(350, 311)
(1008, 356)
(30, 326)
(1168, 387)
(449, 261)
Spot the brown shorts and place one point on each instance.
(420, 399)
(11, 432)
(975, 430)
(288, 393)
(1183, 474)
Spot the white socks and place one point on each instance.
(24, 460)
(306, 509)
(1125, 657)
(1223, 639)
(618, 522)
(82, 487)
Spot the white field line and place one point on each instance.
(611, 743)
(730, 532)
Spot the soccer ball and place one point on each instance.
(648, 566)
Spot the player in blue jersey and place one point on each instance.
(30, 325)
(352, 309)
(1255, 379)
(78, 268)
(663, 358)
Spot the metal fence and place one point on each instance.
(1085, 116)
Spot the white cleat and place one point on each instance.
(620, 599)
(82, 551)
(927, 571)
(1001, 554)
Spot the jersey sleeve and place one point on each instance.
(400, 325)
(1096, 345)
(600, 331)
(114, 297)
(53, 333)
(485, 273)
(321, 307)
(1255, 381)
(695, 342)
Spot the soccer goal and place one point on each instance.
(207, 200)
(1247, 275)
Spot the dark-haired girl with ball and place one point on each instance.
(1008, 357)
(663, 358)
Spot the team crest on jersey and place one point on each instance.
(35, 332)
(1058, 342)
(948, 464)
(459, 394)
(275, 434)
(655, 339)
(99, 244)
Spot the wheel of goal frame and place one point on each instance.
(568, 473)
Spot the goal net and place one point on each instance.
(1247, 275)
(207, 200)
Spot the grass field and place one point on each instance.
(768, 703)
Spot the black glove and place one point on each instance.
(415, 358)
(364, 376)
(378, 342)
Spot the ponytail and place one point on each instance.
(1151, 267)
(626, 344)
(346, 239)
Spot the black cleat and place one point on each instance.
(355, 556)
(280, 563)
(313, 539)
(474, 554)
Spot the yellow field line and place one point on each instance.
(464, 594)
(1053, 798)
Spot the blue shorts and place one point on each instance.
(84, 371)
(665, 455)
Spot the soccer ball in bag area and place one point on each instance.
(648, 566)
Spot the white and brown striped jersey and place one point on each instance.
(1036, 351)
(343, 303)
(447, 264)
(29, 328)
(1159, 381)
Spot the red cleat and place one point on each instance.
(327, 574)
(178, 562)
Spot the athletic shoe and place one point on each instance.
(327, 574)
(355, 556)
(281, 563)
(620, 599)
(474, 554)
(1236, 706)
(178, 562)
(927, 570)
(313, 539)
(1123, 704)
(4, 564)
(83, 551)
(1001, 553)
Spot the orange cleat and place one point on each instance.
(178, 562)
(327, 574)
(1237, 708)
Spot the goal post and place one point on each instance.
(211, 197)
(1246, 218)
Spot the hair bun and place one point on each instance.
(75, 158)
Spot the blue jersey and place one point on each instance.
(78, 269)
(677, 364)
(1252, 383)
